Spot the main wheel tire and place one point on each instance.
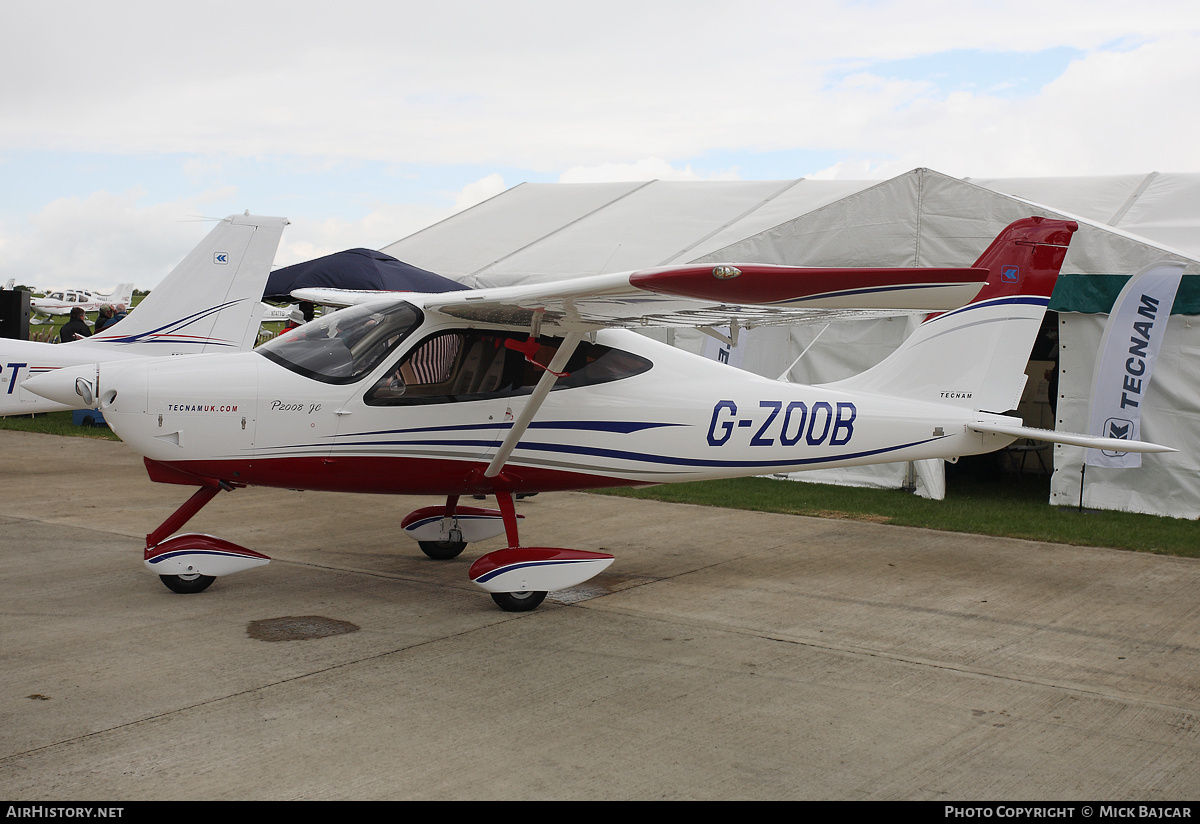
(518, 601)
(442, 550)
(187, 584)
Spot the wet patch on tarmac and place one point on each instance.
(298, 628)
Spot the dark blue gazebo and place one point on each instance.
(356, 269)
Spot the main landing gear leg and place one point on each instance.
(518, 577)
(514, 601)
(189, 563)
(186, 582)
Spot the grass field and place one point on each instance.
(981, 501)
(56, 423)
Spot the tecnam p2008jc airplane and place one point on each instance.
(210, 302)
(526, 389)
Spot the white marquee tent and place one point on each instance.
(923, 218)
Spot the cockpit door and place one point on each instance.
(432, 417)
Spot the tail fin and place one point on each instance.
(975, 356)
(210, 302)
(122, 294)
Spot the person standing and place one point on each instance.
(76, 328)
(105, 318)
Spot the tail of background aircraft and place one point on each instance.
(210, 302)
(975, 356)
(122, 294)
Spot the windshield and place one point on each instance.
(343, 346)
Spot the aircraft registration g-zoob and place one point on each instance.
(530, 389)
(210, 302)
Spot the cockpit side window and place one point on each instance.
(468, 365)
(343, 346)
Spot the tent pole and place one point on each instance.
(1082, 472)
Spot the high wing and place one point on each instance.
(710, 295)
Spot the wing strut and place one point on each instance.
(730, 340)
(545, 384)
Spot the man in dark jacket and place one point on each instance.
(76, 328)
(105, 318)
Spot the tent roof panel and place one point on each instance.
(651, 226)
(537, 232)
(1164, 208)
(1099, 199)
(478, 237)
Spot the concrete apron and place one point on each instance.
(725, 655)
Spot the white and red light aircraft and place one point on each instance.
(528, 389)
(62, 301)
(210, 302)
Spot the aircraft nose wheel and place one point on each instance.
(187, 584)
(442, 550)
(518, 601)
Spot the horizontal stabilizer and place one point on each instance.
(1070, 438)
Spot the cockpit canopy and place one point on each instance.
(446, 366)
(343, 346)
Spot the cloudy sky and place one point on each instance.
(124, 125)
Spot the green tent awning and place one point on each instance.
(1096, 294)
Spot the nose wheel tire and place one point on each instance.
(442, 550)
(518, 601)
(187, 584)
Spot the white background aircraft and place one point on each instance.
(210, 302)
(62, 301)
(271, 313)
(529, 389)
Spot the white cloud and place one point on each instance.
(101, 240)
(305, 239)
(480, 83)
(1109, 113)
(475, 193)
(651, 168)
(105, 238)
(545, 87)
(851, 170)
